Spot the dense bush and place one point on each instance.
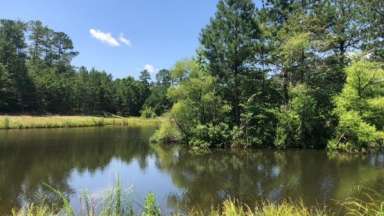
(167, 133)
(148, 112)
(209, 135)
(297, 120)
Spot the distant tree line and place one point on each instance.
(36, 76)
(289, 74)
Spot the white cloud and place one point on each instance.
(104, 37)
(125, 40)
(150, 68)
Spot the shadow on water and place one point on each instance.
(182, 180)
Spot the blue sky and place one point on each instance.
(121, 37)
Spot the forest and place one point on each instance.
(283, 74)
(36, 76)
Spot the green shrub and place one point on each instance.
(360, 109)
(148, 112)
(287, 129)
(257, 126)
(167, 133)
(355, 134)
(297, 121)
(210, 135)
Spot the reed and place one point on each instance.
(113, 206)
(229, 208)
(233, 208)
(365, 202)
(25, 122)
(117, 202)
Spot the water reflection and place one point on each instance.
(71, 159)
(29, 158)
(254, 175)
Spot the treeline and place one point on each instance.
(302, 74)
(288, 74)
(36, 76)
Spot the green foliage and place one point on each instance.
(258, 125)
(362, 202)
(232, 208)
(147, 112)
(294, 46)
(195, 103)
(7, 89)
(206, 136)
(287, 129)
(17, 87)
(167, 133)
(115, 202)
(263, 77)
(297, 121)
(360, 108)
(150, 206)
(38, 77)
(158, 99)
(228, 50)
(33, 210)
(229, 208)
(371, 16)
(369, 202)
(67, 208)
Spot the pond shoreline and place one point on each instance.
(72, 160)
(58, 121)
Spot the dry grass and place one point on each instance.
(24, 122)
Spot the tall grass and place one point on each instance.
(115, 203)
(229, 208)
(24, 122)
(33, 210)
(365, 202)
(232, 208)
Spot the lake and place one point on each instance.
(92, 159)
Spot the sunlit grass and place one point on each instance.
(232, 208)
(365, 202)
(114, 202)
(229, 208)
(117, 202)
(24, 122)
(115, 207)
(33, 210)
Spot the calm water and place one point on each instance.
(90, 159)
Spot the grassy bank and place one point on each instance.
(24, 122)
(228, 208)
(118, 202)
